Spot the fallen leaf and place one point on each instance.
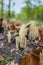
(1, 58)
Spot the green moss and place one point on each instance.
(6, 60)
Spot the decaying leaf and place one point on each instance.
(1, 58)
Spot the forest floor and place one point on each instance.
(6, 51)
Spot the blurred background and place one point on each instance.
(22, 10)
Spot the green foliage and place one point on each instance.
(1, 6)
(0, 2)
(28, 12)
(12, 14)
(18, 16)
(38, 13)
(31, 13)
(0, 12)
(6, 60)
(6, 14)
(24, 13)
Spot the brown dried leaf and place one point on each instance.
(1, 58)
